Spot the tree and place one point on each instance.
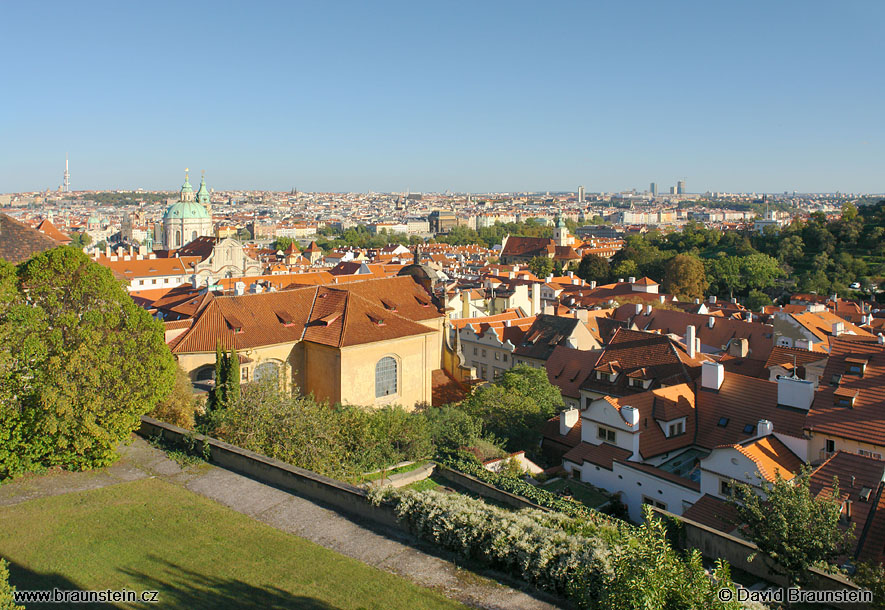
(217, 398)
(232, 378)
(283, 243)
(7, 591)
(795, 529)
(516, 406)
(625, 269)
(684, 277)
(757, 300)
(244, 235)
(452, 428)
(178, 407)
(83, 363)
(593, 268)
(80, 239)
(871, 577)
(541, 266)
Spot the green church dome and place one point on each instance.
(185, 209)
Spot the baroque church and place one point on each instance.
(187, 219)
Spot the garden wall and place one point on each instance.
(714, 544)
(485, 490)
(343, 496)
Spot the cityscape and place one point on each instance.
(402, 306)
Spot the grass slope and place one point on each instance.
(153, 535)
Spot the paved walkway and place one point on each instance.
(392, 551)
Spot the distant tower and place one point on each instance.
(66, 188)
(560, 232)
(680, 187)
(580, 194)
(653, 189)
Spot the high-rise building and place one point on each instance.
(673, 190)
(680, 187)
(653, 188)
(580, 194)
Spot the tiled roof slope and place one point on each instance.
(854, 473)
(759, 336)
(865, 420)
(50, 230)
(339, 316)
(544, 335)
(665, 361)
(738, 405)
(19, 242)
(713, 512)
(567, 368)
(771, 457)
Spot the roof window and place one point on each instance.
(748, 429)
(723, 421)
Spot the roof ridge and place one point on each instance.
(344, 317)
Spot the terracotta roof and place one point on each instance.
(601, 455)
(19, 242)
(527, 246)
(665, 405)
(50, 230)
(865, 420)
(860, 482)
(445, 389)
(149, 267)
(820, 324)
(781, 356)
(338, 316)
(731, 414)
(665, 361)
(759, 336)
(713, 512)
(545, 334)
(567, 368)
(771, 457)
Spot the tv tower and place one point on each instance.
(67, 182)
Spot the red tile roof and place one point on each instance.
(865, 420)
(713, 512)
(601, 455)
(19, 242)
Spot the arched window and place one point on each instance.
(385, 377)
(193, 236)
(205, 373)
(267, 370)
(177, 239)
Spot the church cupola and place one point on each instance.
(187, 191)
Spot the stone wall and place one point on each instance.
(336, 494)
(484, 489)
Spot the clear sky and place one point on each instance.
(466, 96)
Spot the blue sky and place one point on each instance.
(467, 96)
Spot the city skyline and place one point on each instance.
(492, 98)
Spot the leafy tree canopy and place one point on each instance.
(83, 363)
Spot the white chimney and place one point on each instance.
(568, 419)
(803, 344)
(648, 309)
(632, 280)
(662, 298)
(631, 416)
(712, 375)
(195, 281)
(764, 428)
(838, 328)
(712, 298)
(592, 284)
(571, 274)
(796, 393)
(582, 315)
(881, 339)
(638, 309)
(690, 340)
(239, 289)
(711, 321)
(697, 301)
(549, 279)
(507, 323)
(620, 280)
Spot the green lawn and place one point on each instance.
(581, 492)
(154, 535)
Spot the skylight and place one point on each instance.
(723, 421)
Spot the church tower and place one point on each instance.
(560, 233)
(203, 195)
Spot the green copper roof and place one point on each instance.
(560, 221)
(186, 209)
(186, 187)
(203, 193)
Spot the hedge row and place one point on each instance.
(539, 496)
(601, 567)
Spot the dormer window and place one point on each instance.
(856, 366)
(844, 397)
(676, 429)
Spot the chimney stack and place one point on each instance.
(764, 428)
(838, 328)
(567, 420)
(631, 415)
(793, 392)
(712, 375)
(690, 340)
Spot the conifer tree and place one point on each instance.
(232, 379)
(216, 397)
